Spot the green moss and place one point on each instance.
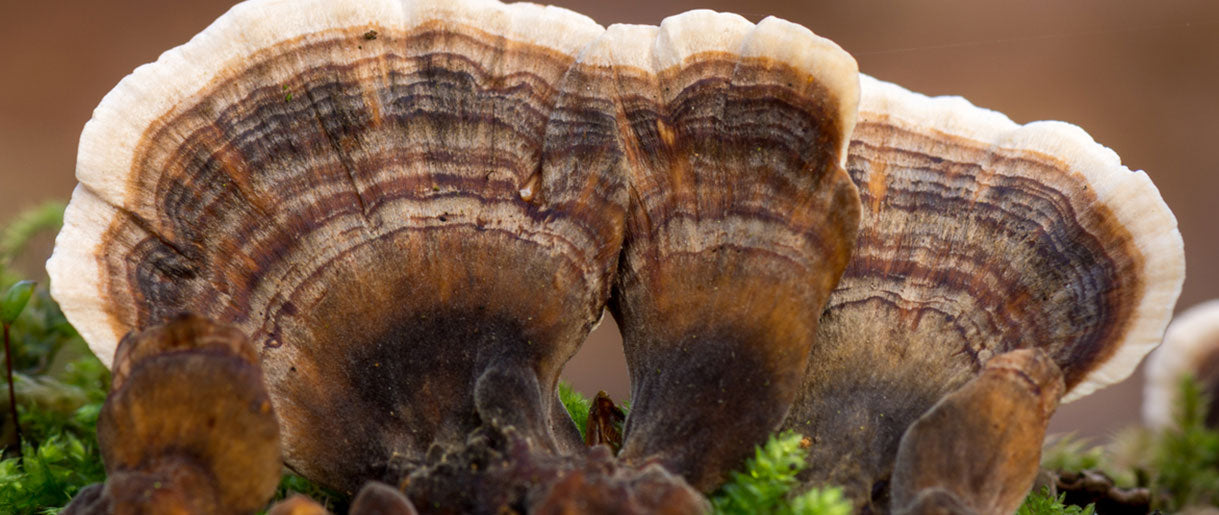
(1185, 457)
(60, 388)
(1041, 502)
(577, 405)
(765, 484)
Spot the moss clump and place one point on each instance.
(1184, 469)
(577, 405)
(1041, 502)
(59, 387)
(766, 482)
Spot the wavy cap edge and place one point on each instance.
(1130, 195)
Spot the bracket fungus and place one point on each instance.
(416, 210)
(422, 230)
(187, 427)
(978, 237)
(741, 220)
(1190, 348)
(977, 450)
(429, 223)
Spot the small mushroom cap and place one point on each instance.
(650, 491)
(174, 486)
(189, 422)
(982, 443)
(1190, 348)
(978, 236)
(741, 220)
(381, 499)
(182, 333)
(88, 501)
(297, 504)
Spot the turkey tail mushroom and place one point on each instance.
(978, 449)
(741, 220)
(188, 426)
(1190, 348)
(978, 237)
(413, 208)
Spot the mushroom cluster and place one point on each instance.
(396, 221)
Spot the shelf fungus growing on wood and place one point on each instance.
(188, 426)
(417, 230)
(978, 237)
(741, 220)
(1190, 349)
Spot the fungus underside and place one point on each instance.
(60, 387)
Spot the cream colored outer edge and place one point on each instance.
(682, 36)
(1190, 337)
(108, 141)
(1131, 196)
(838, 72)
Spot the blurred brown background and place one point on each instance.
(1141, 77)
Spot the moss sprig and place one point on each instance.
(1042, 502)
(1185, 456)
(577, 405)
(765, 485)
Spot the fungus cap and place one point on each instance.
(1190, 348)
(388, 198)
(978, 236)
(740, 221)
(297, 504)
(381, 499)
(190, 424)
(980, 446)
